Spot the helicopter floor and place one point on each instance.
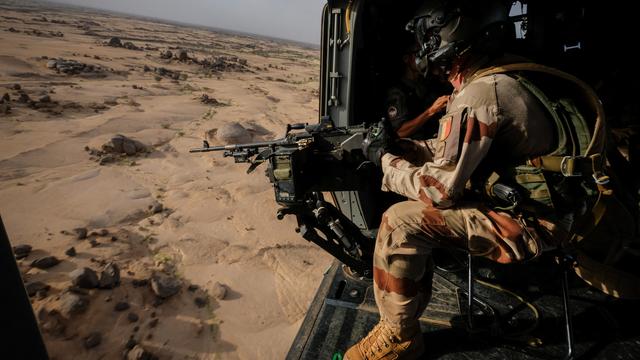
(505, 326)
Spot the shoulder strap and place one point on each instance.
(596, 146)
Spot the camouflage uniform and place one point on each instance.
(491, 120)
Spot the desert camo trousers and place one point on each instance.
(403, 268)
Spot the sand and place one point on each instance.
(217, 224)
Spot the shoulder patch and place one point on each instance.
(445, 128)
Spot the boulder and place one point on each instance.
(71, 252)
(109, 276)
(81, 233)
(84, 278)
(183, 55)
(219, 291)
(92, 340)
(115, 42)
(71, 304)
(232, 134)
(21, 251)
(166, 54)
(35, 286)
(121, 306)
(165, 286)
(45, 262)
(120, 144)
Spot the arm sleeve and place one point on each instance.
(464, 138)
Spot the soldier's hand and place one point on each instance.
(379, 140)
(440, 104)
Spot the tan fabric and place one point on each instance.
(492, 117)
(411, 229)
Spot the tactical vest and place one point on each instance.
(571, 184)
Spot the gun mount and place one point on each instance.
(302, 166)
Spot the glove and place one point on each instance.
(379, 140)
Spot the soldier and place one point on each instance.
(498, 125)
(409, 104)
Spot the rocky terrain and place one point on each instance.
(129, 246)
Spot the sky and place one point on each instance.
(287, 19)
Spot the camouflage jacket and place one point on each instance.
(490, 120)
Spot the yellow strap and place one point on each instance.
(596, 146)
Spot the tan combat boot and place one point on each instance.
(384, 343)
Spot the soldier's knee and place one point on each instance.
(403, 212)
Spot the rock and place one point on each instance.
(131, 46)
(35, 286)
(166, 55)
(6, 97)
(219, 291)
(103, 232)
(115, 42)
(156, 208)
(84, 278)
(110, 276)
(45, 99)
(71, 304)
(120, 144)
(165, 286)
(183, 55)
(146, 68)
(121, 306)
(45, 262)
(94, 242)
(130, 344)
(51, 322)
(200, 301)
(193, 287)
(81, 233)
(21, 251)
(232, 134)
(207, 100)
(153, 323)
(92, 340)
(139, 353)
(5, 109)
(16, 87)
(24, 98)
(52, 64)
(71, 252)
(133, 317)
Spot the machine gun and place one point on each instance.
(304, 164)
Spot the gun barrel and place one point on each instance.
(236, 147)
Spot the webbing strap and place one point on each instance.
(596, 146)
(589, 163)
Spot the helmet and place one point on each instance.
(447, 28)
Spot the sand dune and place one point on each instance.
(198, 218)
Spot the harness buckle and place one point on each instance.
(568, 166)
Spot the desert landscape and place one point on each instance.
(129, 245)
